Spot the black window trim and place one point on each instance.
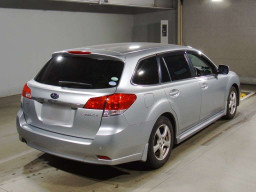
(161, 58)
(160, 55)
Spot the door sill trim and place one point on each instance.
(193, 130)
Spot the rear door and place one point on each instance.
(62, 88)
(212, 85)
(183, 91)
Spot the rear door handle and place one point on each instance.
(204, 86)
(174, 93)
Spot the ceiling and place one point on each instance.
(79, 6)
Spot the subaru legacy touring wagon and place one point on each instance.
(117, 103)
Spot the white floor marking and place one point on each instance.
(16, 156)
(247, 96)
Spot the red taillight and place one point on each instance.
(79, 52)
(113, 104)
(96, 103)
(26, 92)
(120, 101)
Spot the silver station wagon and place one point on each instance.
(117, 103)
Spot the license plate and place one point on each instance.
(57, 115)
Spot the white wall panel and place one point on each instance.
(28, 37)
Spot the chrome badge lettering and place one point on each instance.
(91, 115)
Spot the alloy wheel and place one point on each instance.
(232, 102)
(162, 142)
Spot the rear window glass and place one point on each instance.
(81, 72)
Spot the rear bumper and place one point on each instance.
(84, 150)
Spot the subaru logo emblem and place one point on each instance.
(54, 96)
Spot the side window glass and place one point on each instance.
(164, 72)
(200, 66)
(178, 67)
(147, 72)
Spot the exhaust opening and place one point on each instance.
(23, 140)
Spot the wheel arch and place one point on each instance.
(169, 115)
(172, 119)
(238, 92)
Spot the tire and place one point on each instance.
(231, 103)
(162, 144)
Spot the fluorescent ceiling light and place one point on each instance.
(217, 0)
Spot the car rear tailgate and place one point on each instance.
(66, 114)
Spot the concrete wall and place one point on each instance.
(28, 37)
(226, 31)
(147, 26)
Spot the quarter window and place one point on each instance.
(147, 72)
(201, 67)
(178, 67)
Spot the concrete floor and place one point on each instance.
(220, 158)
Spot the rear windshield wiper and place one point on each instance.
(75, 84)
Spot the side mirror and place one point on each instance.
(223, 69)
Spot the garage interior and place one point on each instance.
(221, 157)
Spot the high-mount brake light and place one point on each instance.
(80, 52)
(114, 104)
(26, 92)
(103, 157)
